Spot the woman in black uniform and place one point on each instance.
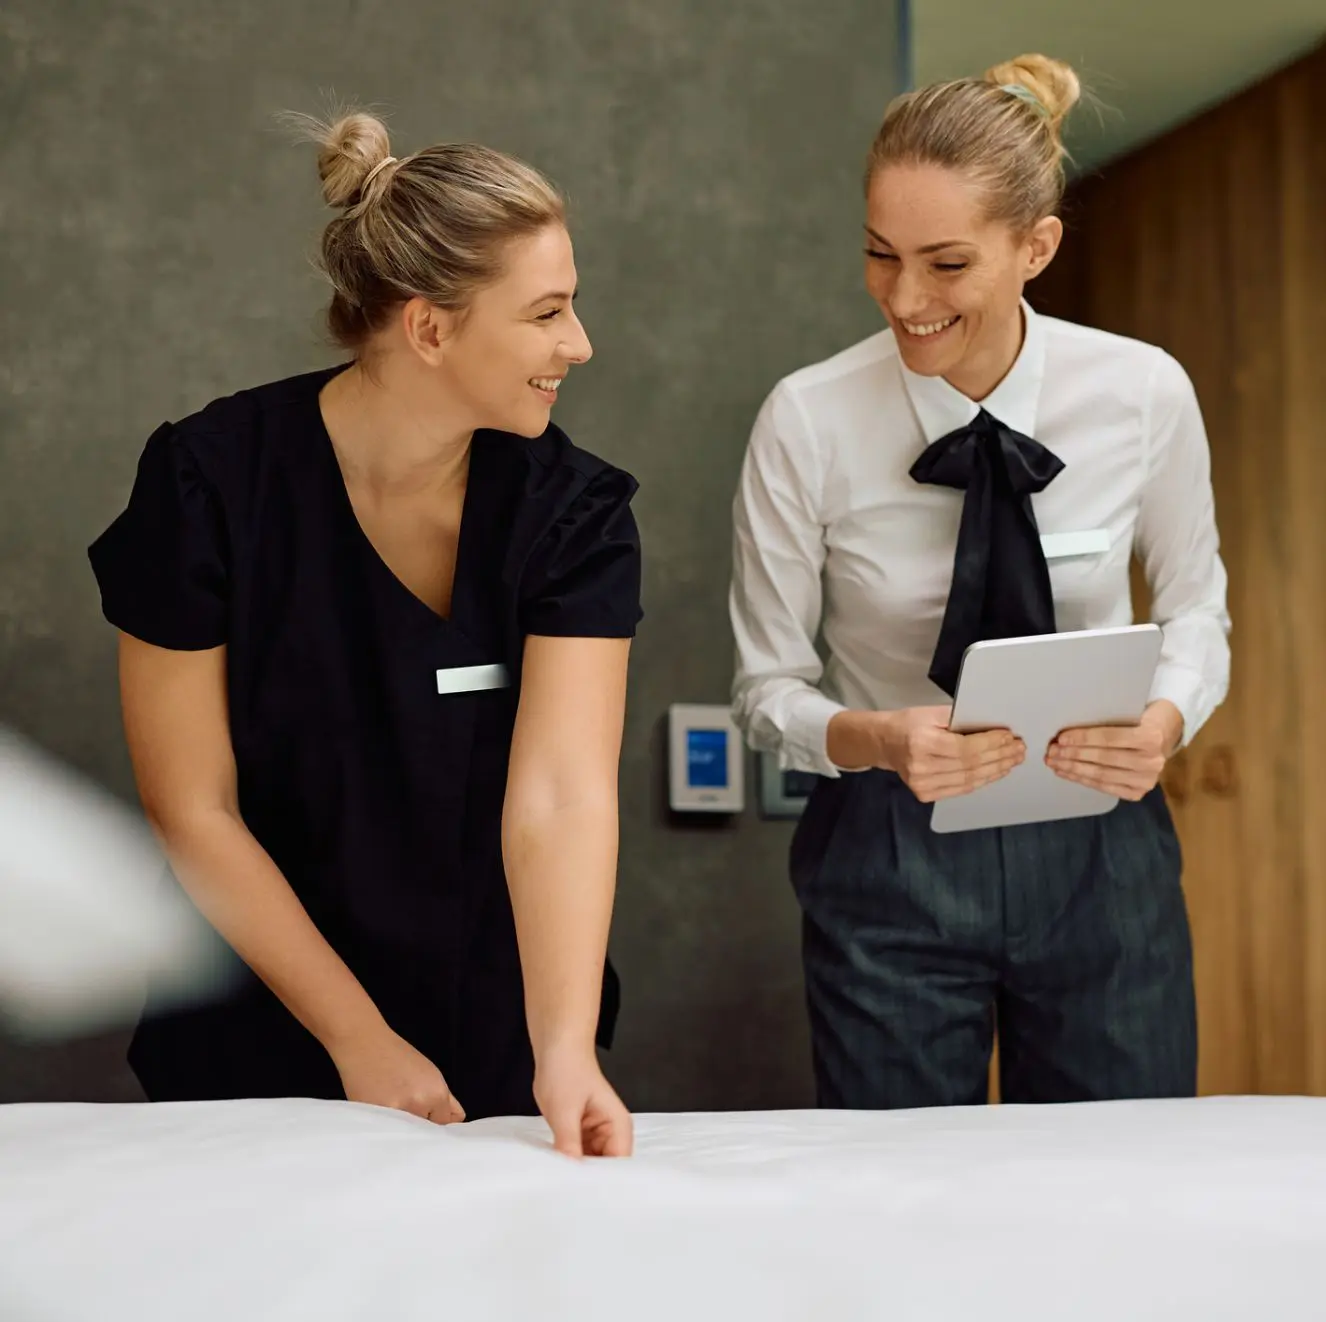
(374, 633)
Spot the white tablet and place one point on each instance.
(1037, 687)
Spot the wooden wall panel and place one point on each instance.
(1212, 243)
(1303, 126)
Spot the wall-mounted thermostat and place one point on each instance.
(705, 759)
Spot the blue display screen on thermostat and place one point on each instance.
(706, 759)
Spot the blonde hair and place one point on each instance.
(1003, 130)
(432, 225)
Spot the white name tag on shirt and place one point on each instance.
(1058, 545)
(472, 679)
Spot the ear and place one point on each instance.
(428, 329)
(1042, 244)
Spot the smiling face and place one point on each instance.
(520, 336)
(500, 362)
(947, 277)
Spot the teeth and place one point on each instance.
(929, 328)
(546, 382)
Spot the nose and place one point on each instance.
(576, 348)
(908, 297)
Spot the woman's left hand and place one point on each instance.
(585, 1114)
(1122, 760)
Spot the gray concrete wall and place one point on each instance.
(155, 233)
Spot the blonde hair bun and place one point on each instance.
(1052, 82)
(350, 147)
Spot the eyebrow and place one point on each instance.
(929, 247)
(556, 295)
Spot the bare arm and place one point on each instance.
(178, 732)
(559, 837)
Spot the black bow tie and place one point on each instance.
(1001, 586)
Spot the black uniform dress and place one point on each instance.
(378, 796)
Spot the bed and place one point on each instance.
(265, 1210)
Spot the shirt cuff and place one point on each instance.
(806, 735)
(1185, 689)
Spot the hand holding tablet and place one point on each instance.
(1041, 687)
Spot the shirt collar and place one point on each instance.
(942, 408)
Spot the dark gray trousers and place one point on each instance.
(1072, 936)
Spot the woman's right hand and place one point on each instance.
(937, 764)
(381, 1068)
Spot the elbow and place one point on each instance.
(180, 826)
(755, 697)
(739, 705)
(536, 803)
(535, 828)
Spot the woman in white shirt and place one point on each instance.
(894, 502)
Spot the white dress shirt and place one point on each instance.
(834, 540)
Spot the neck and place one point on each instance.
(981, 371)
(388, 432)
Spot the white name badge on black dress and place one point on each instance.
(472, 679)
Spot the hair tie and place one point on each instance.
(372, 174)
(1024, 93)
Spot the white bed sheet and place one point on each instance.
(266, 1210)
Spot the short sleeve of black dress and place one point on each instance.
(161, 566)
(583, 576)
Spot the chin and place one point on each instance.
(930, 364)
(530, 427)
